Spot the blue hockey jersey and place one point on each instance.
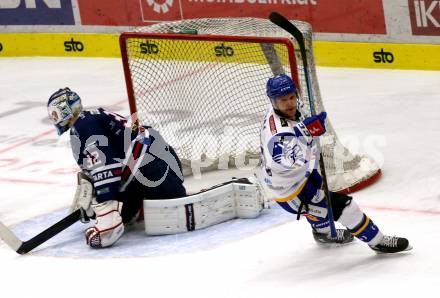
(111, 152)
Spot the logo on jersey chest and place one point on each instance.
(297, 154)
(103, 175)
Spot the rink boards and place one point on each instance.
(327, 53)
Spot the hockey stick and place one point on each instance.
(23, 247)
(283, 23)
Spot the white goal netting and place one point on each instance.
(206, 95)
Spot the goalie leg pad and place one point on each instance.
(203, 209)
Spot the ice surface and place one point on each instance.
(392, 115)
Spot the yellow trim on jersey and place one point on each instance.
(361, 229)
(311, 217)
(292, 196)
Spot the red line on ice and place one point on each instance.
(13, 146)
(10, 180)
(396, 209)
(18, 144)
(379, 208)
(157, 87)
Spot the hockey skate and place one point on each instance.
(343, 236)
(391, 244)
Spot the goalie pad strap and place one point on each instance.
(190, 220)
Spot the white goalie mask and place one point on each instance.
(61, 107)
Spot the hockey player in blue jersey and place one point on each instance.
(290, 169)
(120, 165)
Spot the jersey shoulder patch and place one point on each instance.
(272, 125)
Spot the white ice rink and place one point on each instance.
(392, 115)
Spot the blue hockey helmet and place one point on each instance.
(279, 86)
(61, 107)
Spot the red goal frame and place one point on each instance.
(221, 38)
(145, 35)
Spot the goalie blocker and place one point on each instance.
(234, 199)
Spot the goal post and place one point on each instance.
(205, 92)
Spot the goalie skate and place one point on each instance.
(343, 236)
(392, 244)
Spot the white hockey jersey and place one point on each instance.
(288, 153)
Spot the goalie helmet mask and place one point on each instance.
(61, 107)
(279, 86)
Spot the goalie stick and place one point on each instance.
(23, 247)
(283, 23)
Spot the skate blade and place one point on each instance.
(392, 253)
(333, 245)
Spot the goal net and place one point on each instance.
(201, 83)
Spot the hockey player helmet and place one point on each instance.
(279, 86)
(61, 107)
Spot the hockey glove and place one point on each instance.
(315, 179)
(83, 197)
(313, 185)
(316, 124)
